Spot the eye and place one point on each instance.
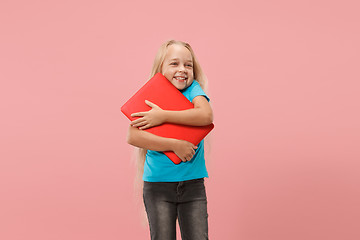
(189, 65)
(173, 63)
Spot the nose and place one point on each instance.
(182, 68)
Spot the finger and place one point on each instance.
(145, 127)
(138, 114)
(137, 121)
(140, 120)
(140, 124)
(150, 104)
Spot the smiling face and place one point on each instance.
(178, 66)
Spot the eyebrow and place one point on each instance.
(189, 60)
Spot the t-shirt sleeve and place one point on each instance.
(197, 91)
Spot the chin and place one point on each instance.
(179, 86)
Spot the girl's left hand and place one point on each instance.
(151, 118)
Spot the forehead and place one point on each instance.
(177, 51)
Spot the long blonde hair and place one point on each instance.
(199, 76)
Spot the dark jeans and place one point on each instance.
(166, 201)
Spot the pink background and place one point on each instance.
(284, 84)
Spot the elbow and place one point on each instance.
(206, 120)
(209, 118)
(130, 137)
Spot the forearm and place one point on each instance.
(193, 117)
(143, 139)
(200, 115)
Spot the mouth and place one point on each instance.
(180, 78)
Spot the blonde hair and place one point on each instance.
(199, 76)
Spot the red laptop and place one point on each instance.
(160, 91)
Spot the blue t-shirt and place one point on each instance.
(159, 168)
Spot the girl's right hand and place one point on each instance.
(184, 150)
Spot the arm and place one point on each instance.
(142, 139)
(200, 115)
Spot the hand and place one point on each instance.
(184, 150)
(151, 118)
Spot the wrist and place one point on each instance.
(173, 143)
(165, 116)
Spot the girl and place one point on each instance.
(172, 191)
